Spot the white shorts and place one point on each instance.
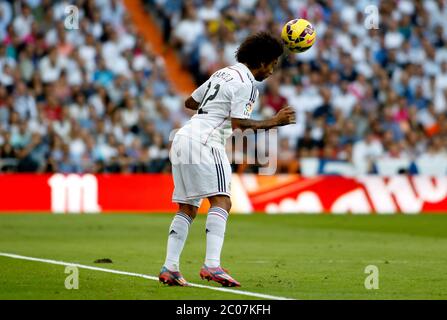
(199, 171)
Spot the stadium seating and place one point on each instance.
(99, 99)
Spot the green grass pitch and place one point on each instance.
(295, 256)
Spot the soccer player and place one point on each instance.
(200, 166)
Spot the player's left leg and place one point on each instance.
(179, 228)
(178, 233)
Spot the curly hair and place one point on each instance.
(259, 48)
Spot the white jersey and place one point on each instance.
(229, 93)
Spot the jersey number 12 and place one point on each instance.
(211, 97)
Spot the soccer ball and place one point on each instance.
(298, 35)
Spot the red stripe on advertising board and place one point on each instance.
(145, 193)
(25, 193)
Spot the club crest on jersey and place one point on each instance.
(248, 109)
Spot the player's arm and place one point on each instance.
(193, 101)
(192, 104)
(284, 117)
(242, 100)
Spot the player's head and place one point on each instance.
(260, 53)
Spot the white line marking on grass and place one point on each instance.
(132, 274)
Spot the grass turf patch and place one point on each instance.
(296, 256)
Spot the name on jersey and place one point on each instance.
(223, 75)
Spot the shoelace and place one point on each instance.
(219, 270)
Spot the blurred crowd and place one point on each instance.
(97, 98)
(372, 87)
(92, 97)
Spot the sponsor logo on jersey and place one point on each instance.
(248, 109)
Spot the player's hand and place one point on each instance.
(286, 116)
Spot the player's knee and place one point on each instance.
(221, 202)
(189, 210)
(228, 205)
(193, 213)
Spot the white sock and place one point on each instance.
(215, 233)
(178, 232)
